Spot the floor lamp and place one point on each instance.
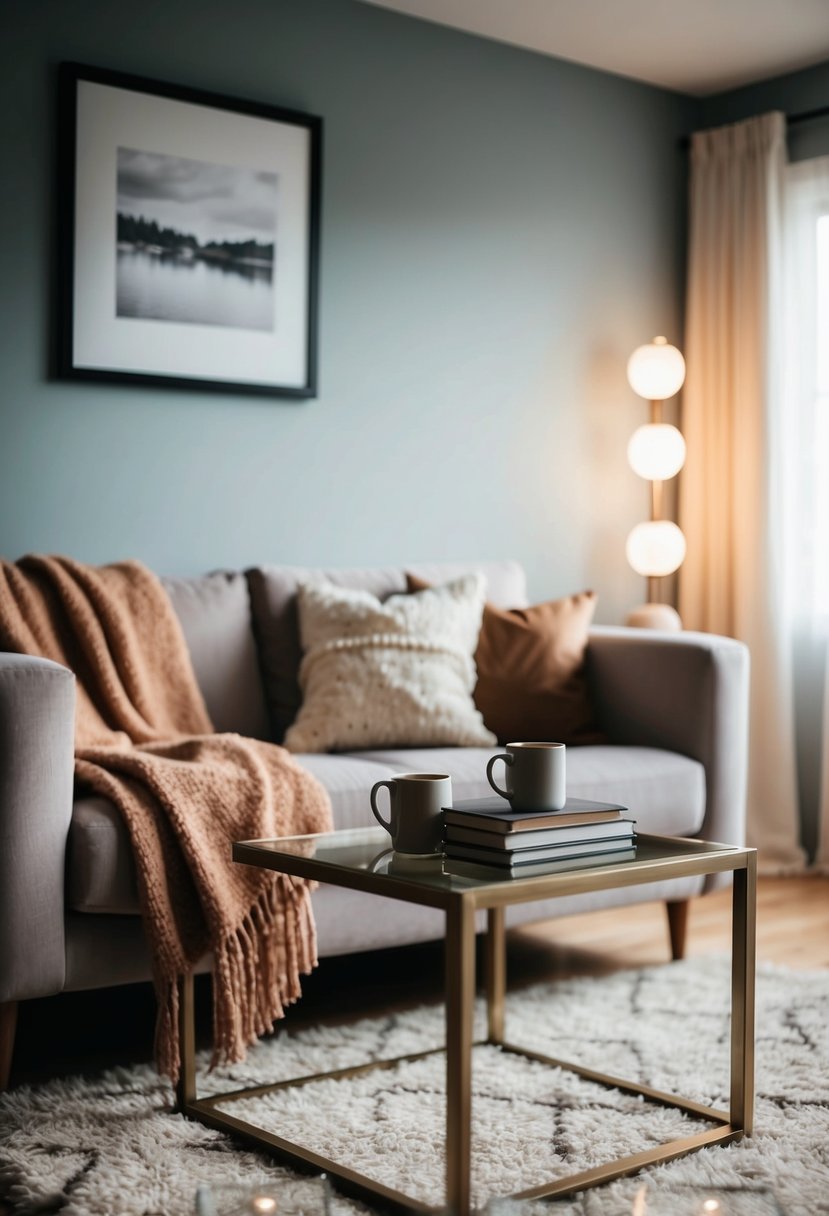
(656, 452)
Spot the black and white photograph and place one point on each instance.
(195, 241)
(189, 245)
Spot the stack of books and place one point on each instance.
(489, 833)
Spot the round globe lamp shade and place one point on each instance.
(656, 371)
(656, 451)
(655, 548)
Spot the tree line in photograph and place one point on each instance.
(149, 235)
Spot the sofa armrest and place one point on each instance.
(688, 693)
(37, 728)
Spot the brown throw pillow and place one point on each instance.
(532, 682)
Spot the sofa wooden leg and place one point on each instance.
(8, 1024)
(677, 925)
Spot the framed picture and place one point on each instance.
(189, 242)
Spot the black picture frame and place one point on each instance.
(166, 199)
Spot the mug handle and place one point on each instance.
(373, 799)
(507, 759)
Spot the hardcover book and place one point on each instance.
(496, 815)
(536, 838)
(475, 869)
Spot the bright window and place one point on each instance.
(804, 429)
(820, 473)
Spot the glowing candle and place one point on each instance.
(711, 1205)
(263, 1205)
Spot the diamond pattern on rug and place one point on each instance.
(112, 1144)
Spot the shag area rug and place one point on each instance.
(111, 1145)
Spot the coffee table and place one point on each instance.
(361, 860)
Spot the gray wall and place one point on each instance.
(499, 231)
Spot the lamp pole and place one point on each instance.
(656, 504)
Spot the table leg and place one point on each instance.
(186, 1084)
(496, 974)
(743, 948)
(460, 1001)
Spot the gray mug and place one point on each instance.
(417, 801)
(536, 777)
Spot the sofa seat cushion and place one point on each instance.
(100, 870)
(665, 793)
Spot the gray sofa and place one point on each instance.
(673, 708)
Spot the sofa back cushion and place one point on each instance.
(273, 599)
(214, 612)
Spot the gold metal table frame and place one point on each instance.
(340, 858)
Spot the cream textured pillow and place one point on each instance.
(393, 674)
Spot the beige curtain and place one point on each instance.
(822, 858)
(730, 500)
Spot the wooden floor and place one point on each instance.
(792, 930)
(82, 1032)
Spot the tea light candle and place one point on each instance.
(263, 1205)
(711, 1205)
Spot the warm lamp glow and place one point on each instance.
(656, 548)
(656, 371)
(656, 451)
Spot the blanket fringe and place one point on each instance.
(256, 974)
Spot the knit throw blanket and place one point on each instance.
(143, 739)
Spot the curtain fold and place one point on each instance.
(822, 857)
(731, 493)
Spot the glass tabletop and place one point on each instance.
(366, 851)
